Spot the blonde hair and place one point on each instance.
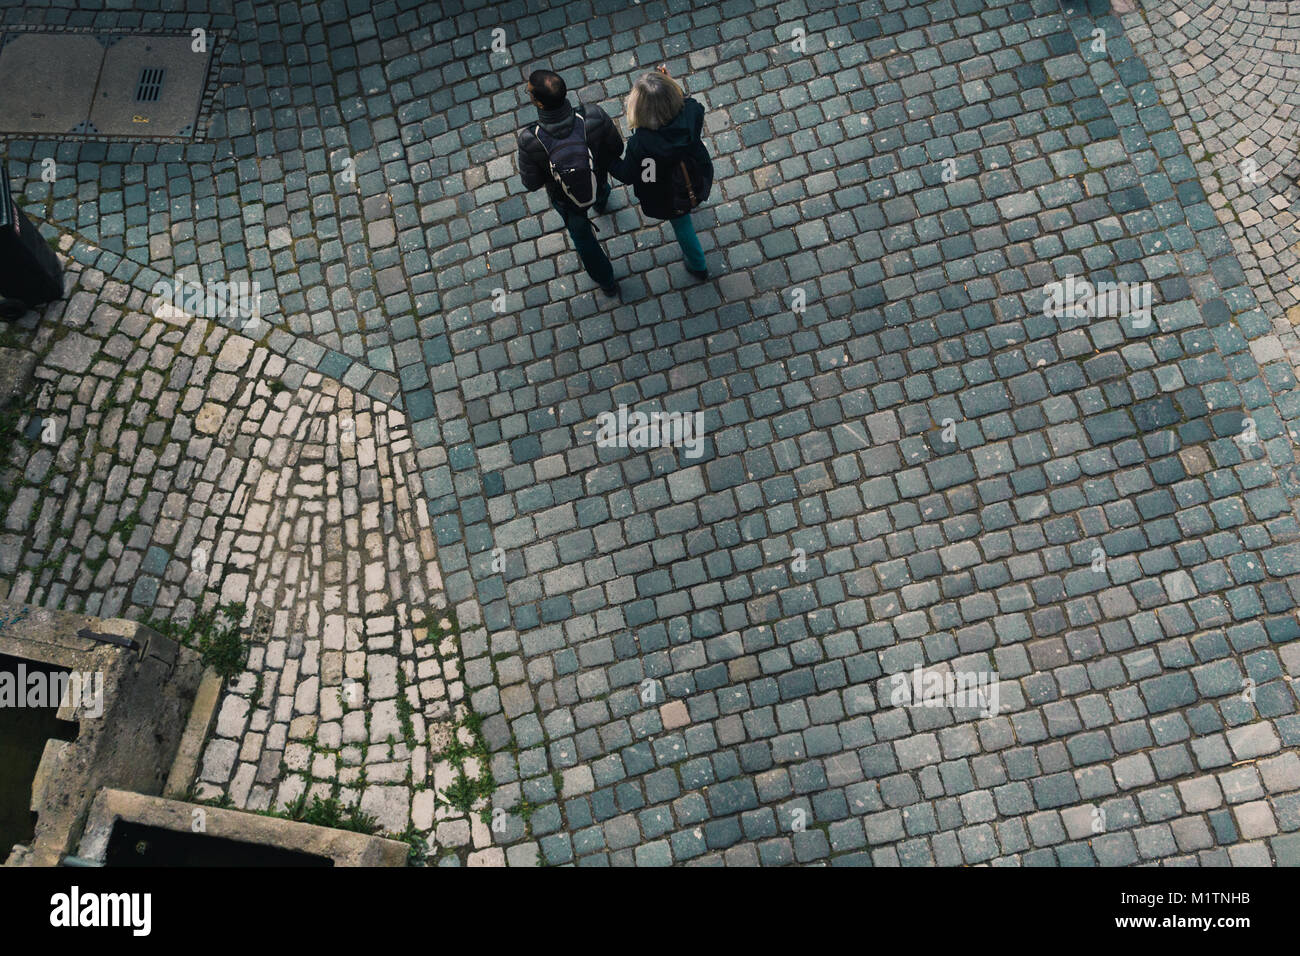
(654, 101)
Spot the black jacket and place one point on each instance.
(678, 138)
(602, 136)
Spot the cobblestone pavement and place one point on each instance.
(1230, 76)
(908, 463)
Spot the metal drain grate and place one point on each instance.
(150, 86)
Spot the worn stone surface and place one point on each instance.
(128, 716)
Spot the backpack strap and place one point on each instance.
(555, 173)
(690, 188)
(537, 133)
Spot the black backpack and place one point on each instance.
(688, 186)
(572, 166)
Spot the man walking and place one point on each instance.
(569, 151)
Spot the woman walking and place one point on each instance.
(666, 163)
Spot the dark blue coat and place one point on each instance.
(671, 142)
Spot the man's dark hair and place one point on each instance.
(548, 88)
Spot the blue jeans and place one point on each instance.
(689, 241)
(592, 255)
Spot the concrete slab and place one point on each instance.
(148, 688)
(47, 81)
(342, 847)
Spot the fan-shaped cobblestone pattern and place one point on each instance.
(1229, 73)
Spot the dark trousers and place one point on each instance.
(578, 222)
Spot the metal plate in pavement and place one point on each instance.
(47, 81)
(149, 86)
